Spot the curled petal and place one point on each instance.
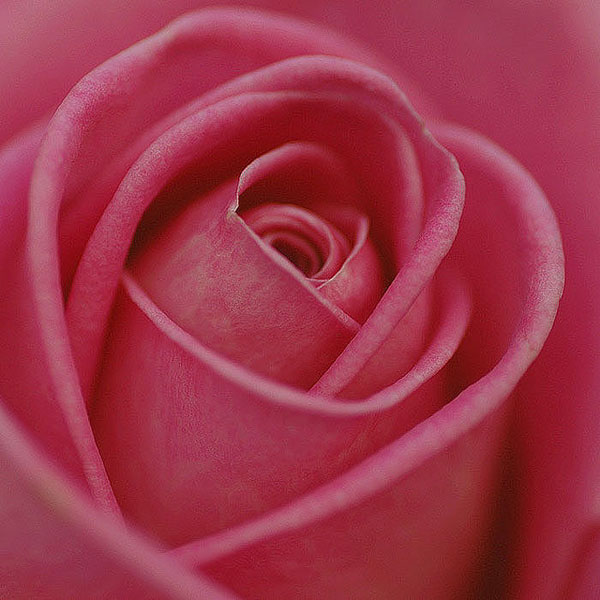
(311, 99)
(89, 36)
(89, 145)
(288, 228)
(26, 383)
(316, 179)
(211, 274)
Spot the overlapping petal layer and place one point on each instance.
(55, 544)
(163, 437)
(97, 123)
(104, 161)
(25, 379)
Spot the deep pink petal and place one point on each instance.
(462, 71)
(390, 331)
(583, 582)
(91, 145)
(211, 145)
(317, 180)
(527, 74)
(499, 186)
(90, 297)
(85, 132)
(229, 444)
(214, 278)
(321, 97)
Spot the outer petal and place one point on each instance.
(57, 42)
(230, 444)
(528, 74)
(25, 379)
(57, 546)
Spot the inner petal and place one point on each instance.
(299, 251)
(302, 201)
(312, 244)
(211, 273)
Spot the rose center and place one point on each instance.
(299, 251)
(312, 244)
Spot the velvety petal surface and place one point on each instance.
(27, 384)
(584, 580)
(57, 43)
(96, 275)
(230, 444)
(527, 74)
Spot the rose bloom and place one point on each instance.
(272, 296)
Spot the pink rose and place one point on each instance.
(254, 345)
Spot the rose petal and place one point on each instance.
(76, 143)
(233, 129)
(540, 60)
(24, 377)
(222, 137)
(584, 579)
(56, 545)
(97, 274)
(57, 42)
(315, 178)
(89, 105)
(211, 275)
(455, 53)
(210, 443)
